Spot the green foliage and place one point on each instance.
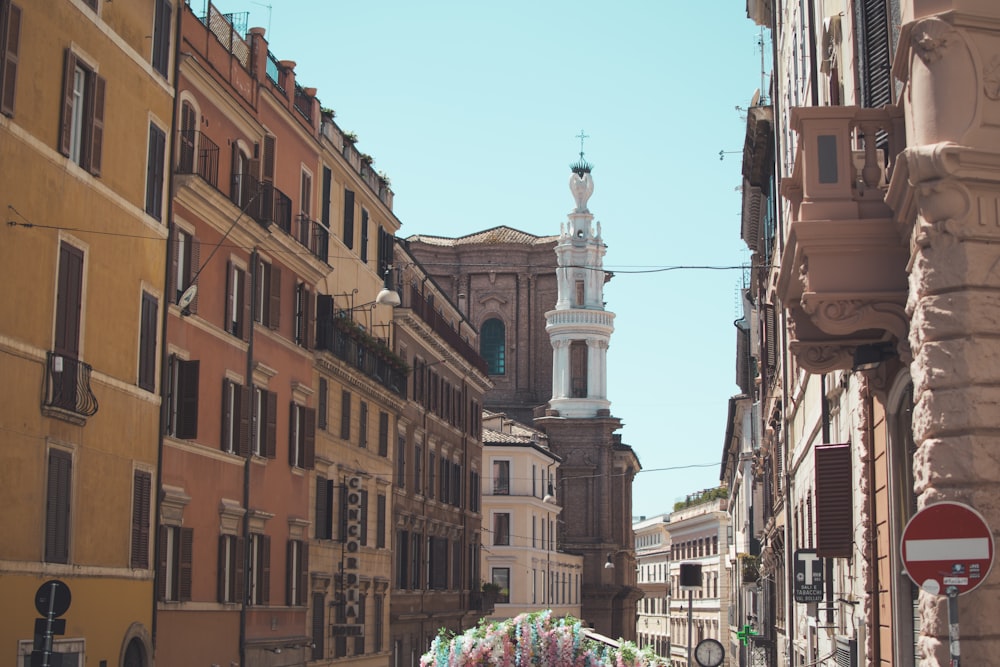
(700, 497)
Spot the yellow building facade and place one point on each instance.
(86, 110)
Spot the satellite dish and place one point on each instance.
(188, 296)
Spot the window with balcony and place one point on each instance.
(230, 570)
(81, 134)
(141, 495)
(10, 39)
(492, 345)
(58, 494)
(501, 478)
(183, 266)
(176, 562)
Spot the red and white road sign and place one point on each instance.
(947, 548)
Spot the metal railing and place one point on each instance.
(67, 385)
(440, 326)
(199, 155)
(303, 103)
(338, 336)
(224, 27)
(273, 70)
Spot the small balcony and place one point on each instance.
(67, 388)
(199, 155)
(843, 277)
(344, 339)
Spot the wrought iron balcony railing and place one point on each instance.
(346, 341)
(199, 155)
(67, 385)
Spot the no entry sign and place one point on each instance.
(947, 549)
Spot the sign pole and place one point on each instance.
(953, 647)
(690, 624)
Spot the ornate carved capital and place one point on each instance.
(931, 39)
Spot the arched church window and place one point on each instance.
(492, 345)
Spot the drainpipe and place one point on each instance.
(164, 356)
(254, 417)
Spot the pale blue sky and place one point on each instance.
(472, 108)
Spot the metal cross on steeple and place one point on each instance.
(581, 137)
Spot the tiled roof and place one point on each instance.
(495, 236)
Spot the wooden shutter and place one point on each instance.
(222, 570)
(324, 213)
(147, 342)
(294, 435)
(229, 429)
(239, 568)
(154, 171)
(244, 395)
(161, 37)
(264, 583)
(69, 301)
(363, 251)
(274, 298)
(267, 163)
(307, 318)
(185, 564)
(303, 572)
(364, 517)
(66, 119)
(193, 264)
(345, 415)
(246, 299)
(318, 625)
(348, 217)
(230, 297)
(383, 434)
(834, 505)
(161, 564)
(322, 401)
(875, 57)
(322, 518)
(95, 153)
(271, 433)
(309, 438)
(57, 510)
(342, 509)
(187, 406)
(380, 521)
(141, 485)
(290, 561)
(770, 337)
(10, 23)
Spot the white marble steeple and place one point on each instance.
(579, 327)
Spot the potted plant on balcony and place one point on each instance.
(535, 639)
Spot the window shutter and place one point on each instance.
(834, 507)
(69, 301)
(293, 436)
(97, 126)
(348, 214)
(161, 37)
(154, 171)
(267, 163)
(321, 400)
(290, 561)
(274, 314)
(161, 565)
(230, 296)
(345, 415)
(244, 397)
(66, 121)
(303, 572)
(380, 522)
(140, 519)
(185, 562)
(383, 434)
(238, 569)
(225, 439)
(307, 317)
(222, 573)
(342, 505)
(270, 440)
(322, 519)
(875, 57)
(57, 512)
(187, 409)
(770, 337)
(363, 251)
(147, 342)
(176, 247)
(265, 569)
(8, 67)
(246, 299)
(309, 440)
(193, 266)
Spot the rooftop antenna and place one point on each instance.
(268, 7)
